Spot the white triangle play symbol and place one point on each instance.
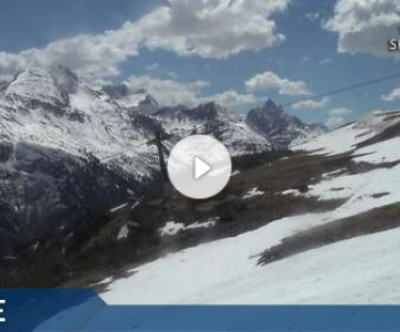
(200, 168)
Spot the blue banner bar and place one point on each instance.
(59, 310)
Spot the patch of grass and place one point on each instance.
(375, 220)
(388, 133)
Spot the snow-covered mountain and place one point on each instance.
(212, 119)
(56, 109)
(57, 126)
(56, 133)
(280, 128)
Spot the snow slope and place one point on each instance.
(178, 277)
(358, 271)
(347, 137)
(383, 152)
(225, 271)
(361, 270)
(324, 276)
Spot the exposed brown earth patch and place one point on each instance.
(375, 220)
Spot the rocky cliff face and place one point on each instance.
(280, 128)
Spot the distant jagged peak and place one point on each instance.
(146, 98)
(208, 112)
(270, 107)
(122, 90)
(270, 104)
(210, 107)
(217, 110)
(271, 121)
(203, 112)
(149, 100)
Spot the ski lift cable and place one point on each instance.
(348, 88)
(112, 156)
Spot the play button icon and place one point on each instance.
(199, 166)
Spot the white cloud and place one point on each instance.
(172, 74)
(305, 59)
(310, 104)
(313, 16)
(169, 92)
(326, 61)
(153, 66)
(337, 117)
(213, 28)
(234, 100)
(392, 96)
(334, 121)
(10, 64)
(340, 111)
(271, 81)
(92, 55)
(365, 25)
(206, 28)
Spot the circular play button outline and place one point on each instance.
(199, 166)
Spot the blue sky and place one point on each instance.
(307, 54)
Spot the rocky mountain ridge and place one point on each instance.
(56, 127)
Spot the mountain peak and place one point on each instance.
(278, 127)
(270, 103)
(149, 100)
(137, 100)
(271, 108)
(45, 85)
